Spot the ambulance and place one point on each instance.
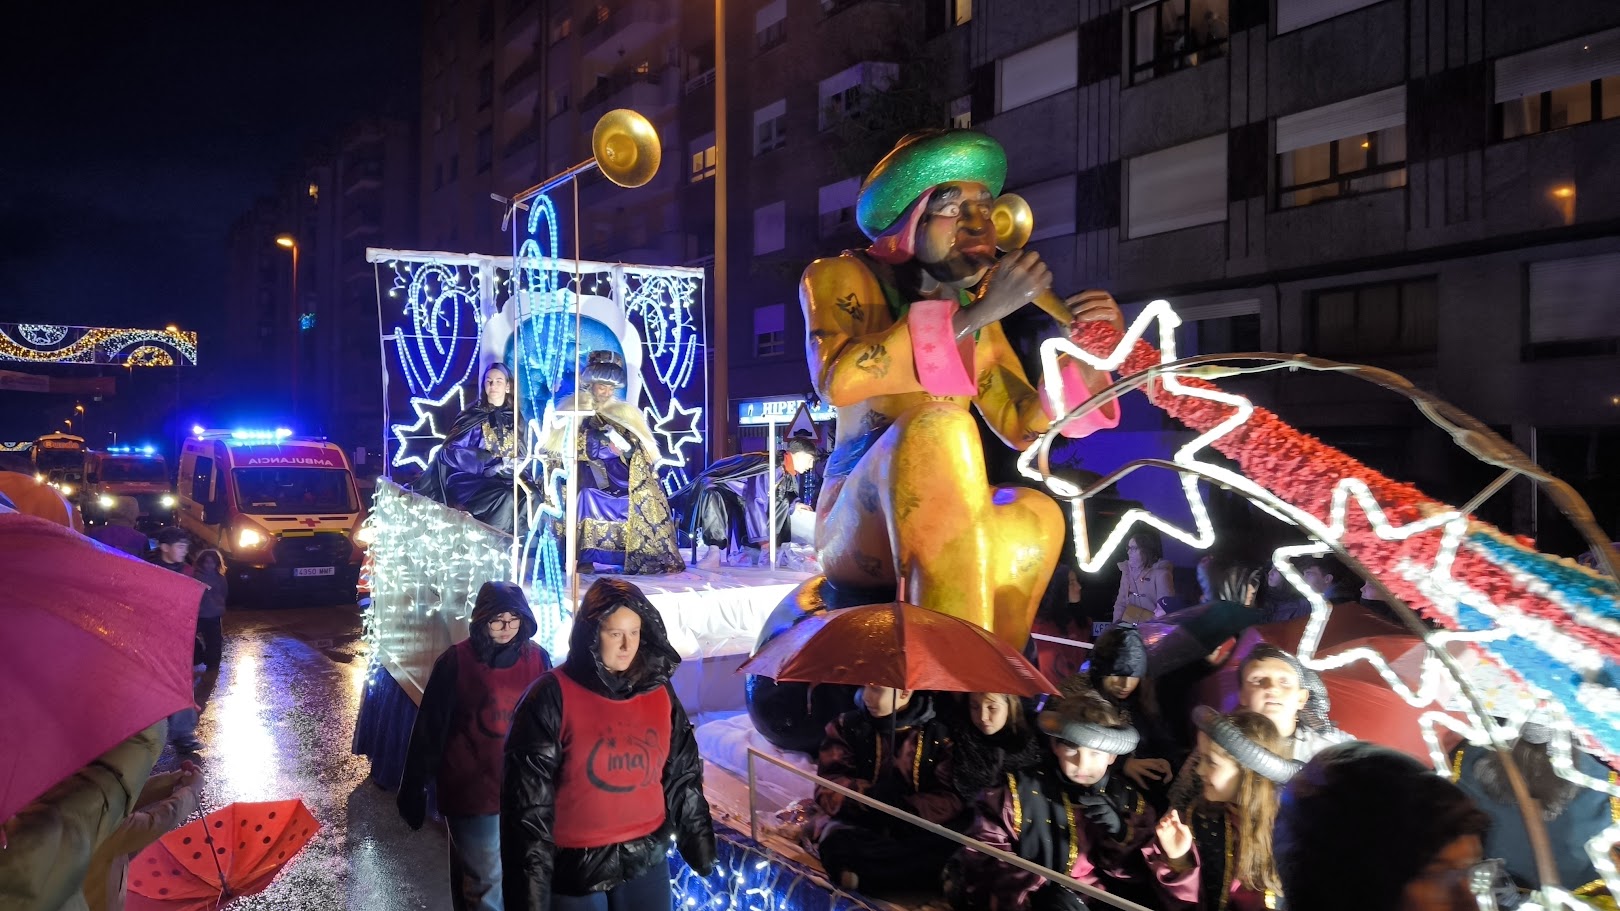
(128, 471)
(283, 509)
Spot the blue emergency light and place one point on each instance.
(132, 450)
(261, 436)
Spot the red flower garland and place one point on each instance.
(1304, 471)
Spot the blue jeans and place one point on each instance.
(647, 892)
(475, 863)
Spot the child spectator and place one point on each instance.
(1070, 815)
(209, 569)
(1119, 671)
(1272, 682)
(993, 740)
(1219, 855)
(894, 748)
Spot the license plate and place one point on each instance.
(305, 571)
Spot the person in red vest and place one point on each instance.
(459, 735)
(602, 769)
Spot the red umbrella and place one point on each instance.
(94, 646)
(230, 852)
(899, 645)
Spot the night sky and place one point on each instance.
(134, 135)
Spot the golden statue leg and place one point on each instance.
(980, 553)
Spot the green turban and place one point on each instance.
(920, 162)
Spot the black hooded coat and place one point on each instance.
(466, 707)
(534, 866)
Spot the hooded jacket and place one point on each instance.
(467, 707)
(904, 760)
(546, 742)
(213, 600)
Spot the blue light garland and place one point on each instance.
(747, 877)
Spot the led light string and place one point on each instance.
(94, 345)
(1515, 633)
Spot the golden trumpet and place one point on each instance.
(626, 148)
(1013, 220)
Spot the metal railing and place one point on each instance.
(1005, 857)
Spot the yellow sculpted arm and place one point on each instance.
(1009, 402)
(857, 349)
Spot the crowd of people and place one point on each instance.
(1100, 785)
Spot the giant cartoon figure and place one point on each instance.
(905, 337)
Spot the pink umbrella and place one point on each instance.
(94, 647)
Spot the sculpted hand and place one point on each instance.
(1095, 306)
(1175, 837)
(1011, 284)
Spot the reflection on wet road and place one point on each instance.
(278, 724)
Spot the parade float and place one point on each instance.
(908, 515)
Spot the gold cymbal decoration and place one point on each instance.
(1013, 220)
(626, 147)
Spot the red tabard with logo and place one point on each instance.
(486, 698)
(610, 787)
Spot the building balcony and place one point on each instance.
(627, 25)
(523, 139)
(525, 80)
(644, 92)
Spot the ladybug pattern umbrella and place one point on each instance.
(898, 645)
(230, 852)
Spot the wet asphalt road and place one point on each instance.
(278, 724)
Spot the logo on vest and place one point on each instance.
(620, 766)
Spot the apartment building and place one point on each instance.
(1417, 184)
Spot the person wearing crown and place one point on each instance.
(624, 516)
(905, 336)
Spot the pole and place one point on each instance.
(298, 330)
(720, 407)
(771, 491)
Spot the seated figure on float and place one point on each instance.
(473, 469)
(904, 337)
(624, 517)
(729, 505)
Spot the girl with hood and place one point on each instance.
(1219, 855)
(602, 769)
(460, 730)
(473, 469)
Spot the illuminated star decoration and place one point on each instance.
(677, 426)
(1506, 611)
(425, 434)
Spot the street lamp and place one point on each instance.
(288, 242)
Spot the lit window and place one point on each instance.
(315, 192)
(1560, 85)
(962, 112)
(1171, 35)
(1343, 149)
(704, 157)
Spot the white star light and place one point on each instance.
(428, 414)
(1434, 581)
(677, 426)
